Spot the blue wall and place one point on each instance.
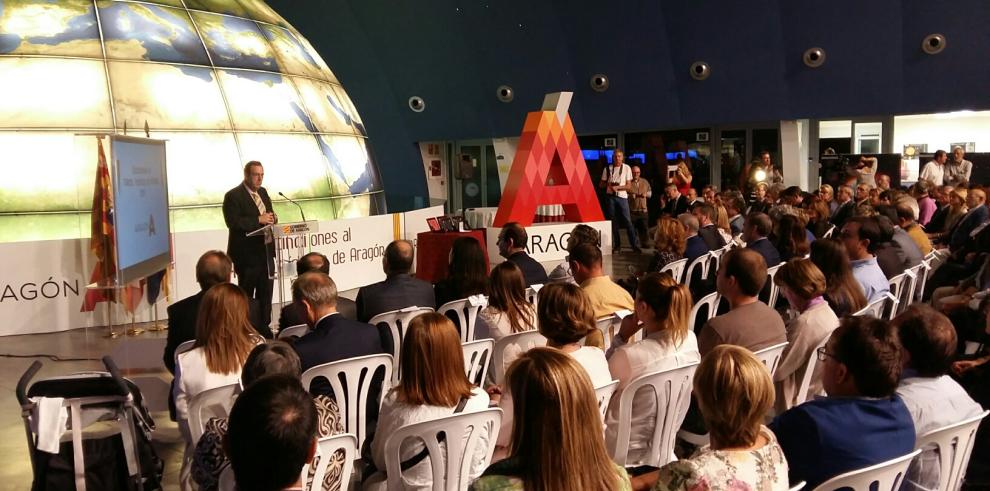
(455, 53)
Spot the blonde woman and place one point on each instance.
(558, 431)
(722, 222)
(433, 385)
(663, 308)
(669, 243)
(683, 178)
(734, 392)
(803, 285)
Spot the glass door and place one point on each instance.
(475, 182)
(733, 157)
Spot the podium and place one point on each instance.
(285, 237)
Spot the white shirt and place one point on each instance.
(192, 377)
(934, 172)
(618, 177)
(495, 325)
(933, 403)
(628, 361)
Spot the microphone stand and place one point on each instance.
(301, 212)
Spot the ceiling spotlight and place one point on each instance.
(700, 70)
(599, 82)
(814, 57)
(417, 104)
(933, 44)
(505, 93)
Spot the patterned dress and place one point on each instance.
(209, 461)
(762, 469)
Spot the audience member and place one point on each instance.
(272, 417)
(399, 289)
(896, 251)
(512, 246)
(943, 202)
(508, 311)
(827, 196)
(803, 285)
(682, 176)
(663, 308)
(976, 216)
(863, 195)
(604, 296)
(954, 213)
(693, 198)
(861, 236)
(750, 323)
(734, 393)
(934, 170)
(818, 215)
(722, 221)
(615, 181)
(293, 314)
(467, 272)
(557, 430)
(755, 232)
(845, 206)
(883, 181)
(761, 201)
(790, 238)
(931, 396)
(265, 360)
(709, 194)
(862, 422)
(669, 243)
(433, 385)
(973, 372)
(958, 170)
(676, 204)
(639, 195)
(706, 215)
(906, 222)
(580, 234)
(734, 206)
(694, 246)
(842, 291)
(926, 205)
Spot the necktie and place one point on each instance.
(262, 210)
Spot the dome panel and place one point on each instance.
(261, 101)
(137, 31)
(293, 164)
(349, 161)
(292, 55)
(45, 171)
(167, 97)
(203, 162)
(235, 43)
(73, 94)
(325, 109)
(56, 28)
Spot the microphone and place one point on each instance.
(301, 212)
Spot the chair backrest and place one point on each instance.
(770, 356)
(774, 289)
(608, 326)
(899, 288)
(672, 390)
(799, 486)
(397, 320)
(182, 348)
(955, 445)
(710, 302)
(828, 233)
(604, 395)
(888, 476)
(676, 269)
(466, 310)
(809, 371)
(702, 262)
(211, 403)
(450, 462)
(325, 448)
(532, 293)
(298, 331)
(477, 358)
(351, 381)
(523, 340)
(917, 277)
(877, 307)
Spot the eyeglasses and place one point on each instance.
(822, 354)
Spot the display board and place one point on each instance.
(141, 218)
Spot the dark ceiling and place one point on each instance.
(454, 54)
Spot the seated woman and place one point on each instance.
(734, 392)
(564, 317)
(558, 442)
(508, 311)
(790, 237)
(842, 292)
(818, 215)
(275, 358)
(663, 309)
(669, 244)
(802, 284)
(467, 272)
(433, 385)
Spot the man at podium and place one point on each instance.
(247, 208)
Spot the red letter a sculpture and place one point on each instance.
(548, 151)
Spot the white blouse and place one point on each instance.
(494, 324)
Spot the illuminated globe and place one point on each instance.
(224, 81)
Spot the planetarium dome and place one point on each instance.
(223, 81)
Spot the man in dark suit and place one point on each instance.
(976, 216)
(755, 232)
(676, 204)
(846, 206)
(293, 314)
(512, 246)
(695, 245)
(247, 208)
(399, 289)
(706, 215)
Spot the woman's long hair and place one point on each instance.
(844, 293)
(468, 269)
(670, 300)
(508, 294)
(432, 363)
(223, 329)
(670, 236)
(792, 240)
(557, 435)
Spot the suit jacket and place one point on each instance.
(736, 224)
(676, 207)
(533, 272)
(182, 324)
(937, 223)
(973, 219)
(712, 238)
(293, 314)
(843, 213)
(694, 248)
(241, 216)
(398, 291)
(767, 250)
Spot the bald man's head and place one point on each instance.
(213, 268)
(398, 257)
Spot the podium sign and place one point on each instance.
(286, 238)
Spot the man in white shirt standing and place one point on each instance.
(958, 169)
(615, 181)
(934, 170)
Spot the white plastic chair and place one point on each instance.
(774, 289)
(888, 476)
(299, 331)
(672, 390)
(357, 374)
(604, 395)
(828, 233)
(917, 276)
(770, 356)
(182, 348)
(467, 310)
(711, 302)
(809, 370)
(325, 448)
(211, 403)
(899, 288)
(397, 320)
(477, 359)
(954, 444)
(703, 261)
(451, 455)
(799, 486)
(524, 340)
(533, 294)
(609, 325)
(877, 308)
(676, 269)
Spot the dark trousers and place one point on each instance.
(641, 221)
(254, 280)
(618, 211)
